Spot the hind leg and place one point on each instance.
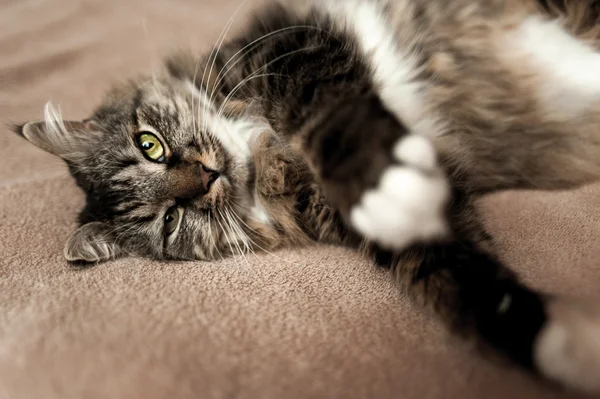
(477, 297)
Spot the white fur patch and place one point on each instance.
(259, 213)
(394, 70)
(417, 151)
(234, 135)
(570, 67)
(568, 349)
(408, 205)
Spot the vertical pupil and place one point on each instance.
(168, 219)
(146, 145)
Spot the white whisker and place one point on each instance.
(227, 221)
(213, 242)
(237, 88)
(254, 74)
(241, 233)
(247, 49)
(245, 239)
(226, 234)
(149, 49)
(216, 50)
(261, 248)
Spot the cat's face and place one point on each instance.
(167, 173)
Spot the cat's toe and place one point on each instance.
(409, 203)
(568, 347)
(416, 150)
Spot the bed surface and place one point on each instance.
(317, 322)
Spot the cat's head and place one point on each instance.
(168, 173)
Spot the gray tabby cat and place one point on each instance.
(372, 124)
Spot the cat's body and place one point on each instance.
(373, 124)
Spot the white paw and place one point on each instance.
(568, 348)
(409, 203)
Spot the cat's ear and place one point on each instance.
(58, 137)
(93, 242)
(185, 67)
(182, 65)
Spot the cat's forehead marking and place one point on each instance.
(142, 169)
(160, 111)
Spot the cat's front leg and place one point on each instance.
(408, 203)
(385, 180)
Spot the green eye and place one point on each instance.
(151, 147)
(171, 220)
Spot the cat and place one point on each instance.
(372, 124)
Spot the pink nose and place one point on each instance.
(207, 176)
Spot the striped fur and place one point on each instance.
(373, 124)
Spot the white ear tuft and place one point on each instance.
(56, 136)
(53, 119)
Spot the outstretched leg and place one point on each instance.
(478, 298)
(385, 180)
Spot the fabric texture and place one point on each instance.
(318, 322)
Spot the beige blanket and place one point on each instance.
(319, 322)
